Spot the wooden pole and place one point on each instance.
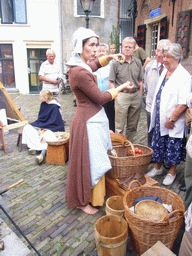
(12, 186)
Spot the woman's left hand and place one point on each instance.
(169, 124)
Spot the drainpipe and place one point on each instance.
(61, 34)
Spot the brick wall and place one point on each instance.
(143, 17)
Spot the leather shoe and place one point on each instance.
(155, 172)
(169, 179)
(182, 188)
(39, 159)
(32, 151)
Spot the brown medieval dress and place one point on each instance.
(89, 102)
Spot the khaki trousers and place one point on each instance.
(127, 112)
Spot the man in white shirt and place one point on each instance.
(151, 76)
(50, 74)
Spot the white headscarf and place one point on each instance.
(78, 37)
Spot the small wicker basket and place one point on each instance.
(123, 165)
(62, 136)
(145, 233)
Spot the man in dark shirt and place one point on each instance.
(128, 102)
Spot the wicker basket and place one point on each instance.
(63, 138)
(123, 165)
(144, 232)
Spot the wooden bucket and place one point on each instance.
(114, 206)
(111, 233)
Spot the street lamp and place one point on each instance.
(87, 7)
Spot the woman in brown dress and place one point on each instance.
(89, 134)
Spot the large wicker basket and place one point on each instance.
(123, 165)
(145, 233)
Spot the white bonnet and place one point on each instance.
(79, 35)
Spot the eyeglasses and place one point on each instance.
(158, 51)
(128, 47)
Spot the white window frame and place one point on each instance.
(155, 35)
(149, 23)
(101, 10)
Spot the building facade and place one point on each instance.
(104, 15)
(163, 19)
(27, 29)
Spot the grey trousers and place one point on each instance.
(127, 113)
(186, 245)
(188, 181)
(150, 134)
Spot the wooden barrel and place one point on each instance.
(114, 206)
(111, 233)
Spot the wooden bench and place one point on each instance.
(19, 140)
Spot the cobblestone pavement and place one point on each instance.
(38, 205)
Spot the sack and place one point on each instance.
(140, 176)
(188, 118)
(118, 140)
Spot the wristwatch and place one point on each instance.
(172, 121)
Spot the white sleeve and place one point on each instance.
(41, 70)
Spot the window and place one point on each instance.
(98, 8)
(13, 11)
(155, 34)
(35, 58)
(7, 77)
(126, 18)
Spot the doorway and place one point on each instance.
(35, 58)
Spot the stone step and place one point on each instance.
(13, 246)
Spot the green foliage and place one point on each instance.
(114, 38)
(59, 248)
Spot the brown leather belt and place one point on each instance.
(130, 90)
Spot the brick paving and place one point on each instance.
(38, 205)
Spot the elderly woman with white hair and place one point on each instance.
(167, 114)
(103, 84)
(89, 133)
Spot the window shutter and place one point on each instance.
(183, 31)
(141, 35)
(20, 13)
(163, 28)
